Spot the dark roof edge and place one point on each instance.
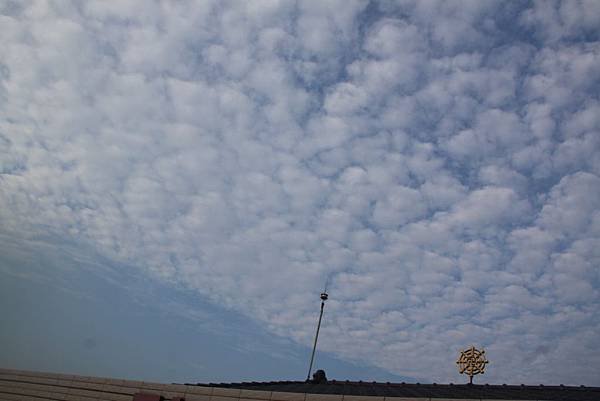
(246, 385)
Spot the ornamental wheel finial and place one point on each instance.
(471, 361)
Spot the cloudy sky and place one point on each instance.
(179, 180)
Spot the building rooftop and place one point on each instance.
(417, 390)
(20, 385)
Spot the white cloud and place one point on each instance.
(440, 169)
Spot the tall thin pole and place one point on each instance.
(324, 297)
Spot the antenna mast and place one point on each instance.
(324, 297)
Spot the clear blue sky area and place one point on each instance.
(65, 317)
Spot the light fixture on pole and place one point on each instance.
(324, 297)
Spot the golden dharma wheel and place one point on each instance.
(471, 362)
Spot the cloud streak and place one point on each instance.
(439, 162)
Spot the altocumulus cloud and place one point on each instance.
(437, 161)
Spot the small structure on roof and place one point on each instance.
(471, 361)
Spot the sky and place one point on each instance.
(180, 180)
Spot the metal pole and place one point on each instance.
(312, 357)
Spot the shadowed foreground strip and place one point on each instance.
(37, 386)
